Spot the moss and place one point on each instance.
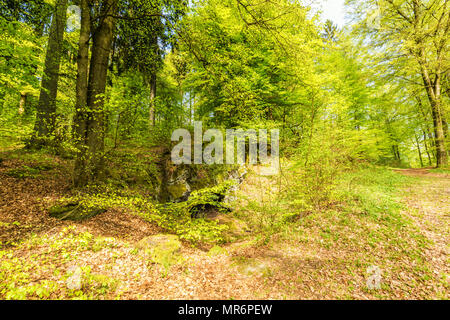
(74, 212)
(85, 206)
(24, 172)
(207, 199)
(177, 191)
(217, 251)
(164, 249)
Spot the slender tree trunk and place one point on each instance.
(154, 70)
(420, 151)
(22, 103)
(190, 107)
(426, 148)
(427, 131)
(432, 142)
(80, 118)
(152, 98)
(79, 121)
(2, 99)
(89, 163)
(441, 153)
(396, 151)
(46, 110)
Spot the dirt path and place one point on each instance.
(428, 200)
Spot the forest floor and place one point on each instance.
(329, 255)
(429, 208)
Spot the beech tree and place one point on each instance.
(417, 31)
(91, 125)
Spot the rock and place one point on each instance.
(238, 177)
(179, 192)
(209, 200)
(217, 251)
(74, 281)
(165, 241)
(163, 248)
(231, 197)
(238, 174)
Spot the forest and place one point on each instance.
(96, 95)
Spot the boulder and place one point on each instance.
(74, 281)
(164, 249)
(179, 192)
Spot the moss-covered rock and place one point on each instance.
(74, 212)
(217, 251)
(178, 191)
(203, 201)
(164, 249)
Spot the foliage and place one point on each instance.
(348, 102)
(186, 219)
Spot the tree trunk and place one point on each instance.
(433, 89)
(427, 131)
(89, 162)
(420, 151)
(22, 103)
(396, 152)
(154, 69)
(432, 141)
(426, 148)
(82, 64)
(191, 99)
(441, 153)
(46, 110)
(2, 99)
(152, 98)
(80, 119)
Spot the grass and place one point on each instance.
(442, 170)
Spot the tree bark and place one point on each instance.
(420, 151)
(152, 98)
(153, 72)
(22, 103)
(89, 162)
(434, 96)
(80, 119)
(426, 148)
(432, 86)
(46, 110)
